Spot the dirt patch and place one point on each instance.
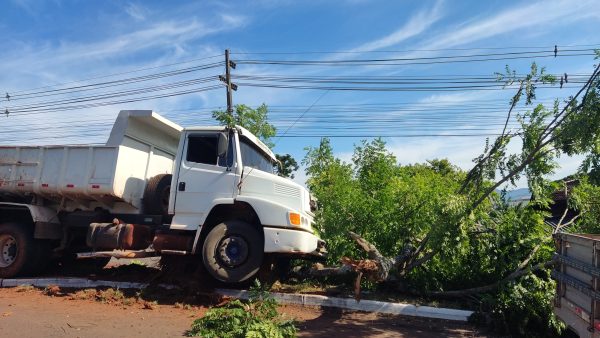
(101, 313)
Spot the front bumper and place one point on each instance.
(294, 242)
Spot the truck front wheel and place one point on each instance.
(17, 252)
(233, 251)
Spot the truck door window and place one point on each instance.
(202, 149)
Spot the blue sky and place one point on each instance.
(46, 43)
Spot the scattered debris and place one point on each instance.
(52, 290)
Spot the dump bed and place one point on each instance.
(142, 144)
(577, 275)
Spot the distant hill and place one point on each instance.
(518, 196)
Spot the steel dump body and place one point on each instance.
(577, 272)
(141, 145)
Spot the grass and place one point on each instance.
(86, 294)
(110, 296)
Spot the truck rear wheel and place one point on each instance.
(233, 251)
(17, 250)
(156, 195)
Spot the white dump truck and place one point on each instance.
(155, 188)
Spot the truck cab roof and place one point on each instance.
(151, 126)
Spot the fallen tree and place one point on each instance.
(571, 128)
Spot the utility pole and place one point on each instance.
(227, 79)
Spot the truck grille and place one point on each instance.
(286, 191)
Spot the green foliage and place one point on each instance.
(392, 206)
(257, 318)
(453, 223)
(395, 207)
(536, 159)
(523, 308)
(286, 165)
(491, 251)
(580, 133)
(585, 198)
(255, 120)
(533, 124)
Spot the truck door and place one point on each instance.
(203, 177)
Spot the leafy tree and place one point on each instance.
(585, 198)
(390, 205)
(255, 120)
(286, 165)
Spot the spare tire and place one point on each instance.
(156, 195)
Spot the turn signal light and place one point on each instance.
(294, 218)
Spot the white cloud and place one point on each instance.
(417, 24)
(136, 11)
(27, 5)
(547, 13)
(234, 20)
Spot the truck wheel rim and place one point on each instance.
(233, 251)
(8, 250)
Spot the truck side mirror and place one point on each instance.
(223, 144)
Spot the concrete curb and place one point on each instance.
(284, 298)
(78, 283)
(363, 305)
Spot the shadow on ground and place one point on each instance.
(335, 322)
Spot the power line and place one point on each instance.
(108, 103)
(393, 89)
(548, 47)
(106, 95)
(117, 74)
(412, 61)
(302, 115)
(107, 84)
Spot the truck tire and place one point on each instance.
(18, 254)
(233, 252)
(156, 195)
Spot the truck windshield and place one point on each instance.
(253, 157)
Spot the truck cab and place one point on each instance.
(223, 186)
